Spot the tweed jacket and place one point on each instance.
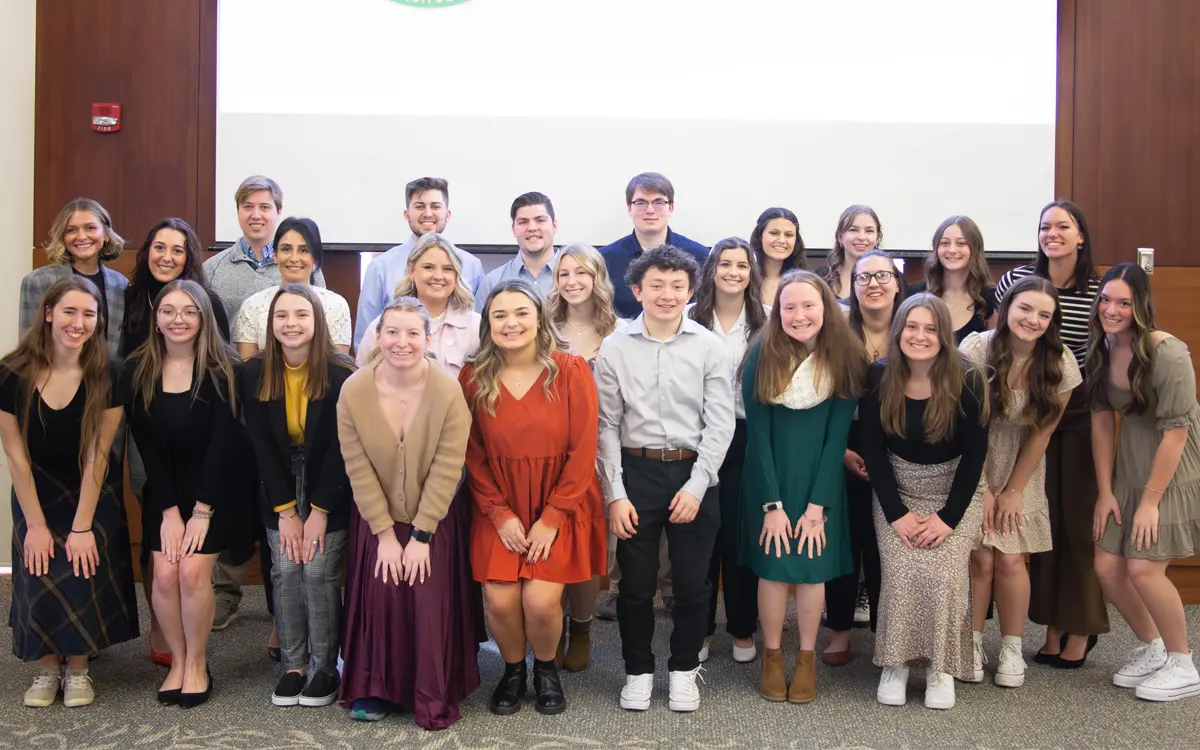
(38, 281)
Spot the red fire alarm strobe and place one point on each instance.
(106, 118)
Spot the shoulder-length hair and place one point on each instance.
(139, 285)
(856, 316)
(56, 247)
(839, 358)
(321, 352)
(214, 357)
(604, 317)
(837, 254)
(798, 258)
(1141, 364)
(1044, 372)
(34, 355)
(1085, 269)
(948, 375)
(489, 360)
(706, 292)
(461, 296)
(979, 276)
(308, 229)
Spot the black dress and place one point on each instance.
(194, 450)
(978, 321)
(60, 613)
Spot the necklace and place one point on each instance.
(579, 327)
(871, 345)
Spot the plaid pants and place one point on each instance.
(308, 596)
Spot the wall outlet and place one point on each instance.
(1145, 259)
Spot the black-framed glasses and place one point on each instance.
(883, 277)
(658, 203)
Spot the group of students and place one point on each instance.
(576, 414)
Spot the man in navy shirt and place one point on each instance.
(650, 199)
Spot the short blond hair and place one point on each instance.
(56, 248)
(255, 183)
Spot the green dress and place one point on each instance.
(795, 455)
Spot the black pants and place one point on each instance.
(841, 594)
(738, 584)
(651, 485)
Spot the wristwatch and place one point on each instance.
(776, 505)
(422, 536)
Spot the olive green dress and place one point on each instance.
(794, 454)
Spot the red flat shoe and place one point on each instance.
(162, 658)
(837, 658)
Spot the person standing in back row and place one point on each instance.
(533, 227)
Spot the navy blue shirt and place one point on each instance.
(618, 256)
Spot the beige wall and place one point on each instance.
(17, 29)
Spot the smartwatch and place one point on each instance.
(768, 507)
(422, 536)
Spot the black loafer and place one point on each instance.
(548, 689)
(321, 690)
(1076, 663)
(288, 689)
(506, 698)
(169, 697)
(191, 700)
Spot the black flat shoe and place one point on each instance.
(548, 689)
(169, 697)
(191, 700)
(1076, 663)
(506, 699)
(1050, 660)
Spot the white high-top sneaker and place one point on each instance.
(1010, 672)
(685, 694)
(1147, 659)
(978, 658)
(635, 696)
(1177, 679)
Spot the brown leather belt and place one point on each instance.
(662, 454)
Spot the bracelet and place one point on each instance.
(84, 531)
(820, 520)
(774, 505)
(1157, 492)
(202, 514)
(424, 537)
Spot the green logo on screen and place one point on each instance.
(430, 3)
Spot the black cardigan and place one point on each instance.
(326, 483)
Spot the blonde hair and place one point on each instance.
(604, 318)
(56, 247)
(461, 296)
(255, 183)
(399, 304)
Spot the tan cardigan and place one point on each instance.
(417, 490)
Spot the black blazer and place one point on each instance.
(325, 482)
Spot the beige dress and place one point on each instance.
(1171, 400)
(1006, 435)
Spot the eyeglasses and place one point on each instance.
(883, 277)
(170, 313)
(658, 203)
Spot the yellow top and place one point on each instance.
(295, 400)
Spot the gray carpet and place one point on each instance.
(1055, 709)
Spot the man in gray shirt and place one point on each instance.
(666, 421)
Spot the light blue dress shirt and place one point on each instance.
(515, 269)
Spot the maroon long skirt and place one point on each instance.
(416, 646)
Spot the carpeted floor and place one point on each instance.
(1055, 709)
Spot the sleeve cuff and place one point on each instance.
(696, 486)
(285, 506)
(500, 514)
(614, 491)
(553, 517)
(317, 507)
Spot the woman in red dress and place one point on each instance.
(531, 465)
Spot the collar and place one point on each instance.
(457, 317)
(268, 252)
(637, 327)
(517, 265)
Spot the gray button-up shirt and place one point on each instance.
(515, 269)
(676, 393)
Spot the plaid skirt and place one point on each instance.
(59, 613)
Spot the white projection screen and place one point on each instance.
(921, 109)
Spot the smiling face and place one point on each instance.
(663, 294)
(168, 255)
(802, 312)
(84, 235)
(294, 258)
(650, 211)
(534, 230)
(293, 324)
(73, 320)
(953, 252)
(575, 282)
(178, 317)
(513, 321)
(779, 239)
(876, 295)
(919, 339)
(427, 212)
(257, 216)
(434, 277)
(1059, 235)
(402, 338)
(1115, 306)
(1030, 315)
(732, 274)
(862, 235)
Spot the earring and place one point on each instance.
(157, 328)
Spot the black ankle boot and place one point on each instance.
(550, 697)
(506, 698)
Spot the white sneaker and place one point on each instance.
(939, 689)
(978, 659)
(635, 696)
(44, 689)
(1177, 679)
(704, 653)
(1147, 659)
(893, 686)
(1010, 672)
(685, 695)
(77, 689)
(745, 655)
(862, 607)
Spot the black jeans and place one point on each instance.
(651, 485)
(738, 584)
(841, 594)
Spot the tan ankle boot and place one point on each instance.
(772, 684)
(579, 651)
(804, 679)
(562, 645)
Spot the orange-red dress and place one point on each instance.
(536, 459)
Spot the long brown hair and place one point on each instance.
(949, 373)
(1140, 365)
(979, 276)
(704, 311)
(34, 356)
(604, 317)
(855, 316)
(214, 357)
(840, 358)
(837, 254)
(321, 351)
(1044, 372)
(489, 360)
